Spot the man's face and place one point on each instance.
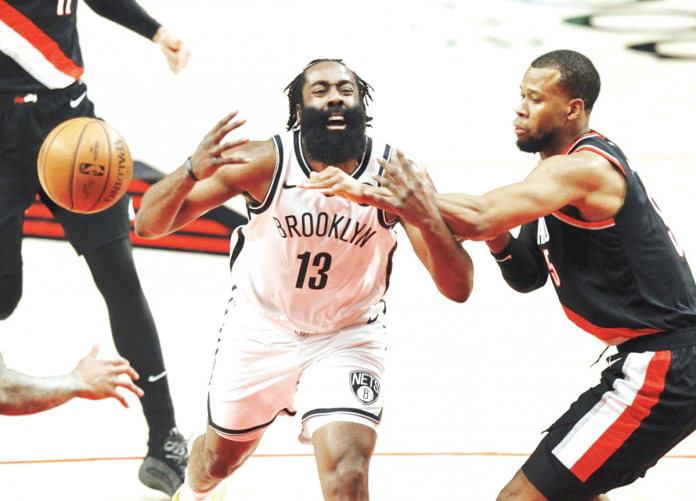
(332, 119)
(542, 111)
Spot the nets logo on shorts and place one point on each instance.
(365, 386)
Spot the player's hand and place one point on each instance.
(99, 379)
(333, 181)
(411, 191)
(173, 48)
(208, 157)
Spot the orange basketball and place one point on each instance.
(85, 165)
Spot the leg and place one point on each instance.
(104, 240)
(214, 458)
(133, 329)
(343, 451)
(521, 489)
(10, 265)
(136, 339)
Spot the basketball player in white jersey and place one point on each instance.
(304, 331)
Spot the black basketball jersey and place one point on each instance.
(623, 277)
(39, 43)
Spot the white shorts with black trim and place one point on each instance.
(261, 371)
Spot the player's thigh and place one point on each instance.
(11, 246)
(88, 232)
(343, 380)
(644, 405)
(254, 375)
(19, 180)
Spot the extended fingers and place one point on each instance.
(230, 145)
(223, 122)
(326, 178)
(226, 129)
(121, 366)
(129, 385)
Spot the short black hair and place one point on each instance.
(294, 91)
(579, 77)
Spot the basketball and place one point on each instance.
(84, 165)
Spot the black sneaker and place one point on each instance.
(165, 464)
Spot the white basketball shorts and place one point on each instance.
(261, 371)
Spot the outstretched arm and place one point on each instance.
(585, 180)
(445, 259)
(92, 379)
(130, 14)
(223, 170)
(449, 265)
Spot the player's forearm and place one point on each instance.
(465, 215)
(448, 263)
(21, 394)
(499, 243)
(522, 269)
(127, 13)
(162, 203)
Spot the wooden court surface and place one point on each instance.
(469, 388)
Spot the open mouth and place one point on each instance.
(336, 121)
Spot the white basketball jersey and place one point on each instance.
(308, 262)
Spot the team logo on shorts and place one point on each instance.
(365, 386)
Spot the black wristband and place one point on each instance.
(189, 168)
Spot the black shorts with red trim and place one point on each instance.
(25, 120)
(644, 405)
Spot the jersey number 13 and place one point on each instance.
(322, 264)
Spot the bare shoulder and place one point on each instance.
(584, 169)
(594, 185)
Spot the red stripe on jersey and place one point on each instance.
(590, 225)
(606, 155)
(41, 42)
(585, 136)
(629, 420)
(610, 335)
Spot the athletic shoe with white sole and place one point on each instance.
(165, 464)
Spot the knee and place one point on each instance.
(10, 294)
(348, 479)
(220, 466)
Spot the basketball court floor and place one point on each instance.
(469, 388)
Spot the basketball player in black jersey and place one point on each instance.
(619, 272)
(40, 87)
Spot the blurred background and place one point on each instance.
(469, 388)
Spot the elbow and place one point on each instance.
(461, 292)
(142, 229)
(9, 406)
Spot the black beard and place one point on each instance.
(333, 146)
(536, 144)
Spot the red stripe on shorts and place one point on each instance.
(629, 420)
(42, 42)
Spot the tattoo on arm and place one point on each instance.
(21, 394)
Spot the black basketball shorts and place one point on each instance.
(25, 120)
(644, 405)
